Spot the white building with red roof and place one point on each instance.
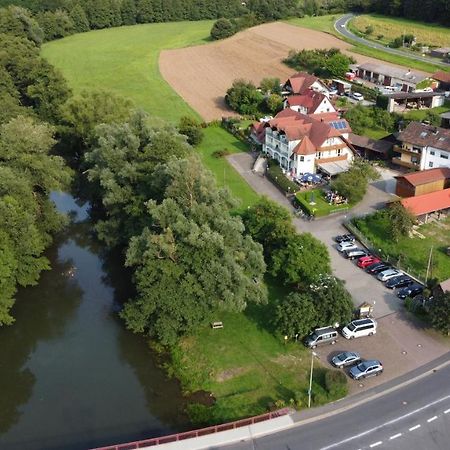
(301, 82)
(310, 102)
(306, 143)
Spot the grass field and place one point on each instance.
(390, 28)
(414, 252)
(320, 23)
(125, 60)
(321, 207)
(216, 138)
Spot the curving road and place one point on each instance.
(341, 28)
(414, 417)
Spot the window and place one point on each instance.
(431, 152)
(302, 158)
(444, 155)
(319, 155)
(339, 151)
(430, 164)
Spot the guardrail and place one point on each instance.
(197, 433)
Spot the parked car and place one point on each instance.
(357, 96)
(388, 274)
(366, 369)
(344, 238)
(353, 254)
(345, 359)
(320, 336)
(367, 261)
(346, 246)
(359, 328)
(377, 268)
(399, 282)
(410, 291)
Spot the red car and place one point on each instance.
(366, 261)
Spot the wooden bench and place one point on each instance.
(216, 325)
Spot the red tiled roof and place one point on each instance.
(442, 76)
(301, 82)
(309, 100)
(257, 130)
(427, 203)
(427, 176)
(305, 147)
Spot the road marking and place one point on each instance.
(390, 422)
(395, 436)
(376, 444)
(431, 419)
(414, 427)
(447, 411)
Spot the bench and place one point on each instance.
(216, 325)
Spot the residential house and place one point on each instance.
(423, 182)
(302, 82)
(405, 80)
(423, 147)
(310, 102)
(306, 143)
(443, 80)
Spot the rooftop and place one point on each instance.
(441, 76)
(445, 285)
(427, 176)
(371, 144)
(427, 203)
(310, 100)
(300, 82)
(417, 133)
(394, 72)
(407, 95)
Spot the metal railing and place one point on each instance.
(197, 433)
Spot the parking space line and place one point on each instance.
(447, 411)
(432, 418)
(376, 444)
(414, 427)
(395, 436)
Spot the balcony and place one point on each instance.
(408, 164)
(409, 151)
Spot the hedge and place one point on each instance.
(277, 177)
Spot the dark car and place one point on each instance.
(399, 282)
(410, 291)
(344, 238)
(377, 268)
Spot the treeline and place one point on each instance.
(53, 19)
(31, 96)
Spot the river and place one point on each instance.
(71, 376)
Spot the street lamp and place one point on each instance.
(310, 378)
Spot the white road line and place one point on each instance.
(398, 419)
(395, 436)
(414, 427)
(447, 411)
(431, 419)
(376, 444)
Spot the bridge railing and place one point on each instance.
(197, 433)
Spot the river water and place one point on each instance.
(71, 376)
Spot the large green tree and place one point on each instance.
(439, 312)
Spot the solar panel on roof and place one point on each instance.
(339, 125)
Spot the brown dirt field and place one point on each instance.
(202, 74)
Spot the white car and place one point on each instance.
(388, 274)
(357, 96)
(346, 246)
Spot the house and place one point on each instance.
(443, 52)
(423, 147)
(305, 143)
(405, 101)
(302, 82)
(442, 287)
(443, 79)
(405, 80)
(423, 182)
(371, 148)
(422, 206)
(310, 102)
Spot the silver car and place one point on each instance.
(388, 274)
(345, 359)
(366, 369)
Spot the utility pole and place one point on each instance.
(311, 378)
(430, 264)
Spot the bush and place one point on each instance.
(244, 98)
(199, 414)
(222, 29)
(221, 153)
(276, 175)
(192, 129)
(336, 384)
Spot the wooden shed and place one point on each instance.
(423, 182)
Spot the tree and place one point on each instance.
(296, 314)
(128, 11)
(270, 86)
(301, 260)
(79, 19)
(18, 22)
(332, 301)
(439, 312)
(337, 65)
(144, 11)
(244, 98)
(274, 103)
(401, 220)
(193, 262)
(55, 25)
(222, 29)
(192, 129)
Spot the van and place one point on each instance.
(359, 328)
(326, 335)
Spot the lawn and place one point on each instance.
(321, 207)
(414, 252)
(389, 28)
(320, 23)
(216, 138)
(125, 60)
(421, 114)
(245, 366)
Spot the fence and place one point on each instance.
(197, 433)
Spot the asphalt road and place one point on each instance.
(415, 417)
(341, 27)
